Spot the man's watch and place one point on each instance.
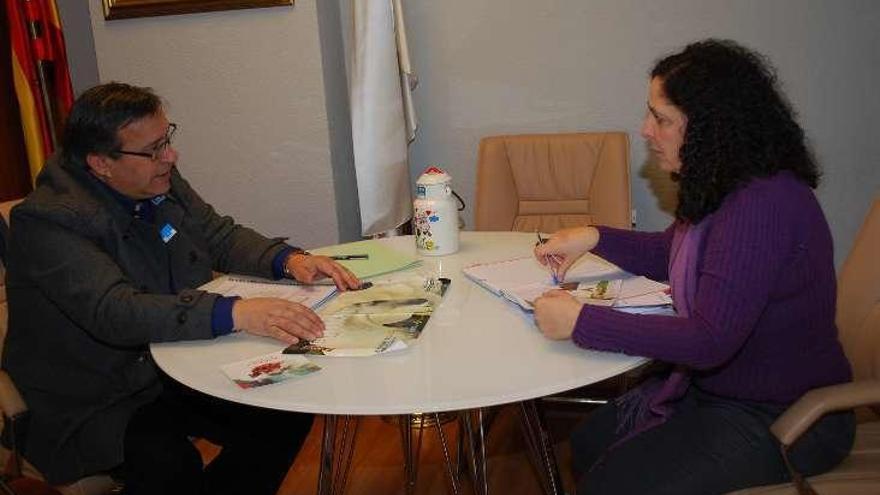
(285, 269)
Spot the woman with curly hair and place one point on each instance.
(749, 259)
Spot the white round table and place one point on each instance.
(477, 350)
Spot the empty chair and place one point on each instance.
(546, 182)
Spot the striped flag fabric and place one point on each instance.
(40, 74)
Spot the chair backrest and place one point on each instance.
(99, 484)
(547, 182)
(858, 299)
(5, 209)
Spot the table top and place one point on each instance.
(477, 350)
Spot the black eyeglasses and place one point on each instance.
(156, 151)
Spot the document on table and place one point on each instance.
(504, 274)
(627, 292)
(379, 259)
(388, 316)
(266, 370)
(246, 287)
(638, 291)
(591, 280)
(522, 279)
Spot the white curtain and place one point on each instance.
(382, 116)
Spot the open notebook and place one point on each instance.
(243, 286)
(592, 280)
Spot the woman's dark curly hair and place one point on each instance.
(739, 124)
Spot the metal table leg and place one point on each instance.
(475, 436)
(337, 447)
(451, 470)
(412, 448)
(540, 447)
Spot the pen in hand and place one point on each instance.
(553, 261)
(340, 257)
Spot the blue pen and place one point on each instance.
(550, 258)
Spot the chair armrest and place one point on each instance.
(818, 402)
(15, 422)
(11, 401)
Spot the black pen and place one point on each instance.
(339, 257)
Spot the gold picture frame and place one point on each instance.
(124, 9)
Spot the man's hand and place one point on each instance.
(564, 247)
(556, 313)
(307, 268)
(278, 318)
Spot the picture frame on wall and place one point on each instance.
(125, 9)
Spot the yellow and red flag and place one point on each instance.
(40, 74)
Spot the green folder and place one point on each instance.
(381, 259)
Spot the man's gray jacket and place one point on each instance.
(89, 287)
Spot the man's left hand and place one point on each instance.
(307, 269)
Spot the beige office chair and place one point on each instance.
(858, 321)
(14, 409)
(546, 182)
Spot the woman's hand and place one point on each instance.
(308, 268)
(277, 318)
(564, 247)
(556, 313)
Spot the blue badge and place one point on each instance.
(167, 232)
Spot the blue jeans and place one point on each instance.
(711, 444)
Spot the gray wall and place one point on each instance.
(80, 44)
(514, 66)
(332, 35)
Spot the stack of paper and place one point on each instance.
(245, 287)
(379, 259)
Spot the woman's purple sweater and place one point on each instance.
(762, 324)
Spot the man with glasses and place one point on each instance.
(104, 258)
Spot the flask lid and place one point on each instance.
(433, 175)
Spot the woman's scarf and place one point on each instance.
(653, 402)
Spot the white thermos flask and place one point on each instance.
(435, 214)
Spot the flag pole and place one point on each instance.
(36, 30)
